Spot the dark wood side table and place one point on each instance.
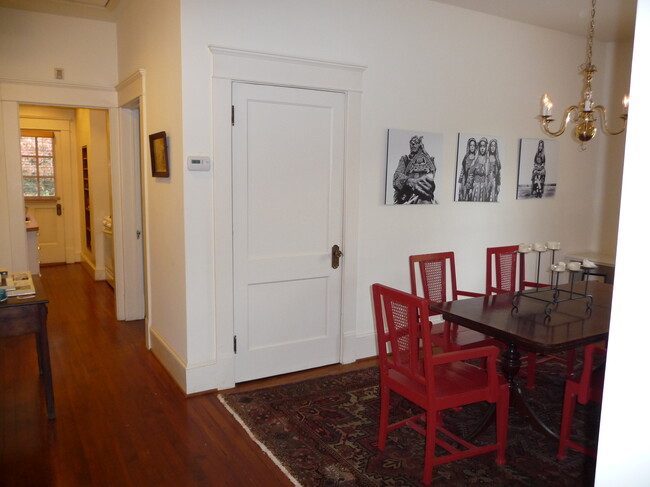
(23, 315)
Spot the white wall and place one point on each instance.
(33, 44)
(623, 449)
(431, 67)
(149, 39)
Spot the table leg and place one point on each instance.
(43, 351)
(510, 365)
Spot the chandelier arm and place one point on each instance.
(546, 120)
(603, 120)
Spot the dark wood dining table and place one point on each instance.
(522, 322)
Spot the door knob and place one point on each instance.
(336, 256)
(58, 209)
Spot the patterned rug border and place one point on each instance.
(262, 446)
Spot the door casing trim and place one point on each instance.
(231, 65)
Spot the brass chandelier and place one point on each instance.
(586, 113)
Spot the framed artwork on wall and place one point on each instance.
(412, 162)
(537, 168)
(159, 157)
(478, 168)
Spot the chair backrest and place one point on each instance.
(403, 329)
(436, 275)
(505, 270)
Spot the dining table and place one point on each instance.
(545, 320)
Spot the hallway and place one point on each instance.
(121, 419)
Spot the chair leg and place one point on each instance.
(503, 403)
(570, 362)
(383, 417)
(430, 447)
(567, 418)
(531, 367)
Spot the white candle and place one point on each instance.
(573, 266)
(546, 106)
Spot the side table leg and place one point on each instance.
(43, 350)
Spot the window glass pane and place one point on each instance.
(47, 187)
(30, 187)
(28, 146)
(29, 166)
(45, 146)
(46, 167)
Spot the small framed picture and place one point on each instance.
(537, 169)
(411, 164)
(159, 157)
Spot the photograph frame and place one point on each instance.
(480, 182)
(424, 167)
(537, 179)
(159, 155)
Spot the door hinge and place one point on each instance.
(234, 343)
(232, 115)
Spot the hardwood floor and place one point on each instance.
(121, 419)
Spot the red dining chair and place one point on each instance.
(433, 276)
(589, 387)
(506, 273)
(434, 382)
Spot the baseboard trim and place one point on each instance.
(168, 357)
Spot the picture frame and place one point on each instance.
(413, 164)
(537, 177)
(479, 168)
(159, 155)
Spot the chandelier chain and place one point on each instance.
(590, 38)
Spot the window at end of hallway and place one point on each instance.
(37, 162)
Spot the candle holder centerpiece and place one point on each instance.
(551, 293)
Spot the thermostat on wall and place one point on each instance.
(198, 163)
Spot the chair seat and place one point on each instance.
(455, 382)
(460, 338)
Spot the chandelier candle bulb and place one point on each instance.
(546, 106)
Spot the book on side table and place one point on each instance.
(17, 283)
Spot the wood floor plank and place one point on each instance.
(121, 419)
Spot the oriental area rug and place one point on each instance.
(323, 432)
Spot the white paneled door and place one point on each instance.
(288, 152)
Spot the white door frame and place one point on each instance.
(12, 95)
(129, 211)
(230, 65)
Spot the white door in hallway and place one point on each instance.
(288, 152)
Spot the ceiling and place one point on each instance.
(108, 10)
(614, 18)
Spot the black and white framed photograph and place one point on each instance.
(537, 168)
(478, 168)
(412, 163)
